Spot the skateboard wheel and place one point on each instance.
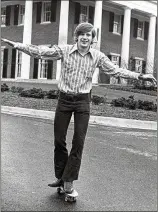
(70, 199)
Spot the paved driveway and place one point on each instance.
(118, 171)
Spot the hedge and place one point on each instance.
(133, 104)
(130, 102)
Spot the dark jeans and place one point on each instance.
(67, 166)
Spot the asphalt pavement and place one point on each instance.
(118, 170)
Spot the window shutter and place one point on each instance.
(5, 63)
(109, 56)
(13, 63)
(77, 12)
(146, 30)
(16, 14)
(122, 21)
(35, 70)
(135, 28)
(143, 67)
(50, 65)
(119, 61)
(111, 21)
(8, 12)
(38, 12)
(91, 15)
(133, 65)
(53, 10)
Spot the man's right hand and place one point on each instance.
(11, 43)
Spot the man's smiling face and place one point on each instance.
(85, 40)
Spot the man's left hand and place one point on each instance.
(148, 77)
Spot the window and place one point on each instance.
(3, 16)
(139, 64)
(18, 63)
(2, 56)
(21, 14)
(140, 29)
(43, 69)
(46, 12)
(117, 24)
(84, 14)
(115, 58)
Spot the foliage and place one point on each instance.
(133, 104)
(130, 102)
(148, 90)
(4, 87)
(52, 94)
(33, 93)
(16, 89)
(142, 86)
(98, 100)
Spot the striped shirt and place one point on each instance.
(76, 70)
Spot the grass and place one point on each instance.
(14, 100)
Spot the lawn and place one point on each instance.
(14, 100)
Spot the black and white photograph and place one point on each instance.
(78, 105)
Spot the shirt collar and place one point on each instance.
(75, 48)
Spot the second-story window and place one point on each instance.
(140, 29)
(46, 12)
(21, 14)
(117, 24)
(84, 14)
(3, 16)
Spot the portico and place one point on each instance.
(126, 9)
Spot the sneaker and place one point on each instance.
(56, 183)
(68, 187)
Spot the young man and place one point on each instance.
(79, 62)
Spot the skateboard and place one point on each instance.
(68, 197)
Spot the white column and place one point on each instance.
(97, 26)
(63, 30)
(151, 45)
(27, 34)
(125, 40)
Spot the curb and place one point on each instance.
(106, 121)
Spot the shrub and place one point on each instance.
(16, 89)
(98, 99)
(4, 87)
(142, 86)
(150, 90)
(133, 104)
(147, 105)
(52, 94)
(33, 93)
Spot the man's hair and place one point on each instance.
(83, 28)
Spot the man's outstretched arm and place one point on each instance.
(40, 52)
(109, 68)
